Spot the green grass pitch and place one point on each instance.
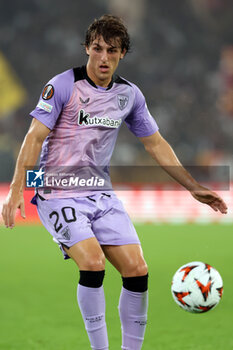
(38, 308)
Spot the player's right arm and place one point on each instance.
(28, 156)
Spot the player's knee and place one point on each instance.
(141, 269)
(134, 269)
(95, 263)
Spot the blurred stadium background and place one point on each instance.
(182, 59)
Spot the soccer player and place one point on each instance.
(76, 123)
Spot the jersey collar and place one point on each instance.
(80, 73)
(84, 71)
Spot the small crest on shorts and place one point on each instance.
(122, 101)
(66, 233)
(48, 92)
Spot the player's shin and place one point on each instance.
(91, 302)
(133, 307)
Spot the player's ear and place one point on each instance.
(123, 52)
(87, 50)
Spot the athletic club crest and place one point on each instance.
(122, 101)
(66, 233)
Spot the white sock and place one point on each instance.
(133, 314)
(91, 302)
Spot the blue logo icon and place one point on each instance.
(35, 178)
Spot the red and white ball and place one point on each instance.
(197, 287)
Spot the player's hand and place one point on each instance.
(13, 201)
(206, 196)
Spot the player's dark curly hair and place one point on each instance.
(109, 27)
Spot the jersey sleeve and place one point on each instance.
(54, 97)
(140, 122)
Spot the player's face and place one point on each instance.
(103, 60)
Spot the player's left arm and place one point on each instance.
(164, 155)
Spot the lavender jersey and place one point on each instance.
(84, 121)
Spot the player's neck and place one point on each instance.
(98, 82)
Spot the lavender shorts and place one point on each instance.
(71, 220)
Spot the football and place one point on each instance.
(197, 287)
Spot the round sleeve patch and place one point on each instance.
(48, 92)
